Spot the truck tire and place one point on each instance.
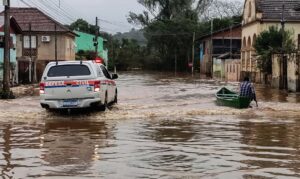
(103, 106)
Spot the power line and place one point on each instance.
(171, 34)
(51, 9)
(47, 4)
(112, 23)
(59, 9)
(69, 8)
(43, 10)
(63, 13)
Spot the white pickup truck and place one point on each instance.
(77, 84)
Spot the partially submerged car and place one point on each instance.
(77, 84)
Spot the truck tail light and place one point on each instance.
(96, 86)
(42, 88)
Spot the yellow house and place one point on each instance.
(258, 16)
(36, 46)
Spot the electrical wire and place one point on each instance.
(58, 9)
(62, 13)
(47, 8)
(31, 4)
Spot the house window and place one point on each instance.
(250, 9)
(26, 41)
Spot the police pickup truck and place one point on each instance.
(77, 84)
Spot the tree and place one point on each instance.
(83, 26)
(127, 54)
(85, 55)
(270, 42)
(168, 27)
(222, 9)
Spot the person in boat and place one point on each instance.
(247, 89)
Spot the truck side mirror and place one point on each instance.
(114, 76)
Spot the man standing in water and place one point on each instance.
(247, 90)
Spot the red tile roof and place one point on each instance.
(272, 9)
(13, 23)
(40, 22)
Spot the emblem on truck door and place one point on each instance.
(68, 91)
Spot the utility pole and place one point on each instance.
(30, 55)
(55, 42)
(283, 65)
(96, 37)
(113, 56)
(211, 47)
(6, 70)
(193, 53)
(201, 51)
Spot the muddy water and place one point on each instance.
(163, 127)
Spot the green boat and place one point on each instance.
(225, 97)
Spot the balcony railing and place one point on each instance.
(26, 52)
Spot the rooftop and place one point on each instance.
(272, 9)
(13, 24)
(40, 22)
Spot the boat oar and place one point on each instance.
(254, 98)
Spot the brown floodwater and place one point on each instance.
(162, 127)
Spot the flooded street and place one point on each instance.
(162, 127)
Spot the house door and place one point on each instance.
(23, 72)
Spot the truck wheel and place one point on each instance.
(103, 107)
(116, 97)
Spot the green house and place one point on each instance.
(85, 42)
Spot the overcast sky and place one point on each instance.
(113, 13)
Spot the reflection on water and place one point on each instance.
(163, 127)
(72, 143)
(56, 148)
(269, 94)
(209, 147)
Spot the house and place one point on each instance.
(34, 53)
(233, 70)
(85, 42)
(214, 47)
(258, 16)
(14, 31)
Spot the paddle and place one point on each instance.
(254, 99)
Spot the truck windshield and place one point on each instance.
(68, 70)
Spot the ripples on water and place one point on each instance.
(212, 147)
(162, 128)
